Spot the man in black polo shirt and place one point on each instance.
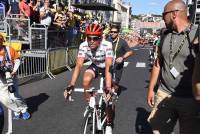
(121, 52)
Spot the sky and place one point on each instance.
(147, 6)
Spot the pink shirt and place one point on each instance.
(25, 8)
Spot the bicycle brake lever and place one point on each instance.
(69, 97)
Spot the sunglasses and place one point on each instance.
(94, 38)
(113, 31)
(164, 13)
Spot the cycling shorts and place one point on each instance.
(96, 70)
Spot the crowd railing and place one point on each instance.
(42, 47)
(2, 12)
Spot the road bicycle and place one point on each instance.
(94, 121)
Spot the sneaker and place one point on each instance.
(108, 130)
(26, 116)
(17, 117)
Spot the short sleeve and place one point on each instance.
(82, 50)
(109, 50)
(14, 54)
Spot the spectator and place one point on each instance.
(14, 6)
(174, 100)
(9, 58)
(35, 6)
(25, 9)
(60, 19)
(7, 6)
(121, 52)
(45, 14)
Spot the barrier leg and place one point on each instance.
(9, 122)
(51, 76)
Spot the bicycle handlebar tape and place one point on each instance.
(69, 92)
(70, 88)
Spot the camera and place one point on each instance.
(7, 71)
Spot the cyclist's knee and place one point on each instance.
(87, 80)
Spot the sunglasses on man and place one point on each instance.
(165, 13)
(94, 38)
(113, 31)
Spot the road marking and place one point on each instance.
(89, 63)
(140, 64)
(126, 64)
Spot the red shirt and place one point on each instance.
(25, 8)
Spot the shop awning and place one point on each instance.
(95, 6)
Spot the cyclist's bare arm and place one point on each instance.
(70, 87)
(75, 75)
(108, 77)
(153, 80)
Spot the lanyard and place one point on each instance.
(116, 46)
(173, 56)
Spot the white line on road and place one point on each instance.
(89, 63)
(140, 64)
(126, 64)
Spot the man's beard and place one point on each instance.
(169, 26)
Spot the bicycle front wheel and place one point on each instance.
(89, 124)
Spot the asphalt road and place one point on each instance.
(52, 115)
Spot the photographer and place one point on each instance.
(9, 64)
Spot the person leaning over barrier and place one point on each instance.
(173, 70)
(9, 64)
(100, 53)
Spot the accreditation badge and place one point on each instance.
(174, 72)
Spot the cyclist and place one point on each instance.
(101, 54)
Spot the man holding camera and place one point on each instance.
(9, 64)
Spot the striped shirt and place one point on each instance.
(97, 57)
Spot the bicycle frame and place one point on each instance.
(95, 105)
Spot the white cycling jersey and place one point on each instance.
(97, 57)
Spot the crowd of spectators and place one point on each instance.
(58, 16)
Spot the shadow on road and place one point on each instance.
(141, 125)
(34, 101)
(121, 89)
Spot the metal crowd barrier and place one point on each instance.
(2, 12)
(19, 26)
(63, 37)
(58, 58)
(34, 62)
(72, 53)
(38, 34)
(5, 29)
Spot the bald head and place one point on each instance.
(177, 5)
